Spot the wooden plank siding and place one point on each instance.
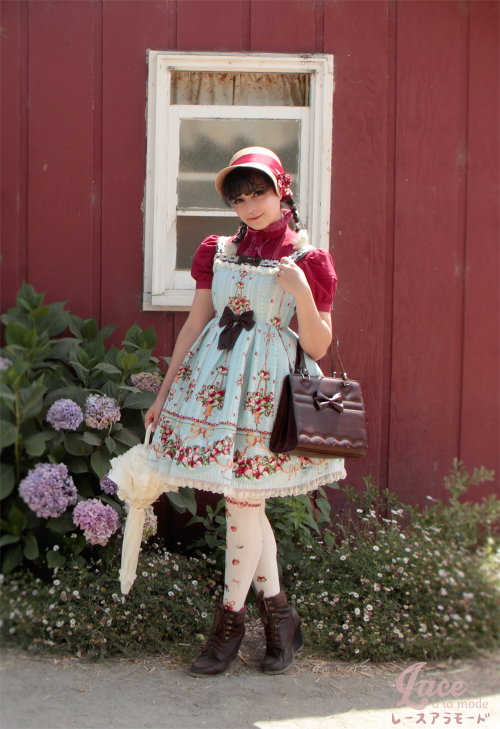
(414, 205)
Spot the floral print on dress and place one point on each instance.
(190, 390)
(184, 373)
(198, 455)
(257, 467)
(212, 395)
(239, 303)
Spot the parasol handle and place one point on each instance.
(148, 434)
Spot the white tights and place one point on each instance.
(250, 552)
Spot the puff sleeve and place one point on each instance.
(321, 277)
(203, 261)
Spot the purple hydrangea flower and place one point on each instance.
(98, 521)
(101, 411)
(148, 381)
(150, 524)
(48, 490)
(109, 486)
(66, 414)
(5, 363)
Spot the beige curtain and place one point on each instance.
(240, 89)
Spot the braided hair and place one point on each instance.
(293, 207)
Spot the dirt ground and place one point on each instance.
(42, 692)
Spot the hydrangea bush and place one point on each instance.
(68, 405)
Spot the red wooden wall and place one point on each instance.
(414, 218)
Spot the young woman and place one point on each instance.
(215, 411)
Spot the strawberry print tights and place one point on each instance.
(250, 552)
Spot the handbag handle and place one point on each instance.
(301, 367)
(148, 434)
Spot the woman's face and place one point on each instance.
(259, 208)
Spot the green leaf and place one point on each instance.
(109, 388)
(127, 436)
(7, 479)
(63, 523)
(74, 444)
(36, 444)
(77, 465)
(108, 368)
(185, 498)
(329, 540)
(31, 547)
(140, 400)
(111, 444)
(150, 338)
(17, 519)
(27, 298)
(176, 501)
(90, 329)
(39, 311)
(107, 331)
(131, 388)
(324, 506)
(133, 335)
(100, 463)
(75, 325)
(14, 334)
(55, 559)
(80, 356)
(31, 400)
(7, 394)
(8, 433)
(12, 559)
(129, 362)
(56, 320)
(9, 539)
(61, 349)
(72, 392)
(91, 438)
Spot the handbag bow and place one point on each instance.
(233, 325)
(323, 401)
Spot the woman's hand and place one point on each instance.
(153, 414)
(291, 277)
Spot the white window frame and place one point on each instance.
(164, 288)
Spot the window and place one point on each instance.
(201, 110)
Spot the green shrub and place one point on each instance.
(382, 589)
(169, 609)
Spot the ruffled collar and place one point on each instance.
(264, 243)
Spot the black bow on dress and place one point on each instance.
(233, 325)
(250, 260)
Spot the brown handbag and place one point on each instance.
(320, 416)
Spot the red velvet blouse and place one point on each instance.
(273, 243)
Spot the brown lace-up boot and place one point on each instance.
(282, 629)
(223, 642)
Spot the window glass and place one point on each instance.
(207, 145)
(191, 230)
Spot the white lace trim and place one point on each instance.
(266, 270)
(263, 493)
